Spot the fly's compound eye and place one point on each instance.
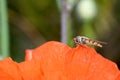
(75, 40)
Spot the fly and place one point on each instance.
(85, 40)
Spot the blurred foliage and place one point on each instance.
(33, 22)
(4, 30)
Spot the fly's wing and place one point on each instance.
(102, 43)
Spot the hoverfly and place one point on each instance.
(85, 40)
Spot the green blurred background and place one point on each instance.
(26, 24)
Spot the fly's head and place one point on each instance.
(80, 40)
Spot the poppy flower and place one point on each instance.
(57, 61)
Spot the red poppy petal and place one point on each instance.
(30, 70)
(58, 61)
(9, 70)
(52, 57)
(85, 64)
(118, 77)
(28, 55)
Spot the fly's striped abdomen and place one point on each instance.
(94, 43)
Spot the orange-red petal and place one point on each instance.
(57, 61)
(28, 55)
(30, 70)
(9, 70)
